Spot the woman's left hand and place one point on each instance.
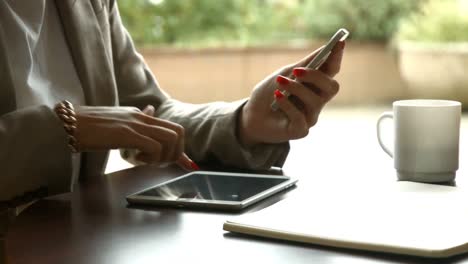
(310, 90)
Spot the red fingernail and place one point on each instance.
(278, 94)
(343, 43)
(298, 72)
(282, 80)
(194, 166)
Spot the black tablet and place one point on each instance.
(217, 190)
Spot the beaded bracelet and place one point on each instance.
(66, 113)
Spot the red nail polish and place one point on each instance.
(194, 166)
(299, 72)
(343, 43)
(282, 80)
(278, 94)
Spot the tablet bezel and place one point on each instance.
(137, 198)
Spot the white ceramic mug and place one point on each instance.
(426, 139)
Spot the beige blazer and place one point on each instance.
(33, 146)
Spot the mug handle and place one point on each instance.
(383, 116)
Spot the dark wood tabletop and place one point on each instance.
(94, 224)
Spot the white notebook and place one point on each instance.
(404, 218)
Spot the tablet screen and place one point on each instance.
(213, 187)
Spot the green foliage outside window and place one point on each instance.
(203, 22)
(368, 20)
(438, 21)
(256, 22)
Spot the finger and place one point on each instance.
(150, 149)
(168, 153)
(149, 110)
(307, 59)
(322, 84)
(149, 158)
(187, 163)
(169, 139)
(297, 127)
(287, 70)
(172, 126)
(331, 66)
(160, 122)
(300, 90)
(130, 155)
(310, 102)
(333, 63)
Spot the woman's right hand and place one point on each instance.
(158, 141)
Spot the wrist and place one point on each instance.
(243, 129)
(66, 113)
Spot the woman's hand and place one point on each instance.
(310, 90)
(157, 140)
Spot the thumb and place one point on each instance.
(149, 110)
(287, 71)
(307, 59)
(332, 64)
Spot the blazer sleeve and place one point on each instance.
(211, 129)
(34, 154)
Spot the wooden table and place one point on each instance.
(94, 224)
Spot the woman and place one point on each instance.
(79, 51)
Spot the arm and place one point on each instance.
(211, 129)
(213, 135)
(33, 160)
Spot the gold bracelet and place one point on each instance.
(66, 113)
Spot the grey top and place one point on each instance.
(41, 66)
(33, 143)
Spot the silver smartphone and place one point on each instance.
(215, 190)
(321, 57)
